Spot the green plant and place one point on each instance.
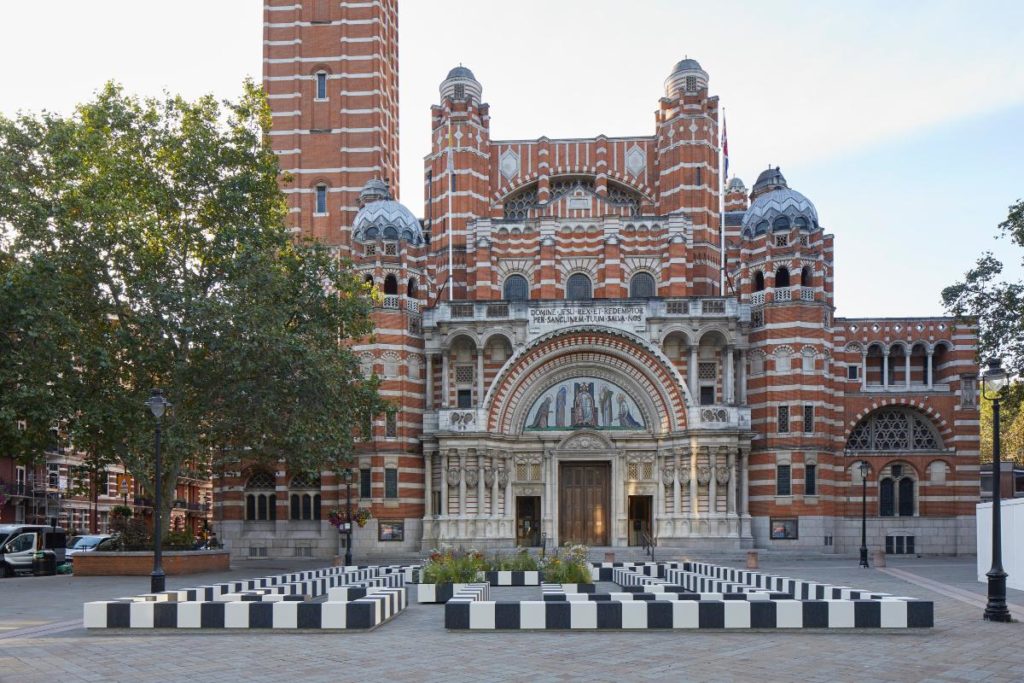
(567, 565)
(448, 565)
(521, 561)
(121, 511)
(179, 540)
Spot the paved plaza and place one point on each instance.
(42, 639)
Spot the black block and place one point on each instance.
(506, 615)
(920, 614)
(456, 616)
(119, 615)
(360, 614)
(711, 615)
(165, 615)
(609, 615)
(867, 614)
(211, 615)
(763, 614)
(659, 614)
(308, 615)
(815, 614)
(261, 615)
(557, 615)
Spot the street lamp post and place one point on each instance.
(347, 476)
(157, 405)
(864, 469)
(993, 380)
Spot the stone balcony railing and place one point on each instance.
(718, 417)
(459, 420)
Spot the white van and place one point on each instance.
(19, 544)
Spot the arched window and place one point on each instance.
(371, 233)
(260, 501)
(391, 285)
(304, 502)
(578, 287)
(410, 291)
(321, 199)
(390, 233)
(758, 281)
(761, 228)
(800, 222)
(321, 85)
(368, 279)
(896, 493)
(894, 429)
(782, 277)
(516, 288)
(642, 286)
(780, 223)
(805, 276)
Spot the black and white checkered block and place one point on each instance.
(365, 613)
(687, 614)
(798, 588)
(437, 593)
(551, 588)
(512, 578)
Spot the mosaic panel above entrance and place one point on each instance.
(584, 402)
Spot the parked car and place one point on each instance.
(83, 544)
(19, 544)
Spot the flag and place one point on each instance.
(725, 146)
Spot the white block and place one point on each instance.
(840, 614)
(634, 614)
(236, 615)
(141, 614)
(94, 615)
(685, 614)
(789, 614)
(286, 615)
(583, 614)
(481, 616)
(737, 614)
(333, 615)
(532, 614)
(576, 597)
(894, 614)
(190, 614)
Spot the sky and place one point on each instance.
(903, 122)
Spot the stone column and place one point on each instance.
(694, 491)
(479, 484)
(713, 483)
(930, 370)
(494, 484)
(676, 489)
(444, 379)
(885, 369)
(462, 484)
(510, 513)
(691, 374)
(428, 502)
(728, 382)
(743, 378)
(443, 464)
(479, 377)
(744, 456)
(864, 370)
(730, 501)
(430, 382)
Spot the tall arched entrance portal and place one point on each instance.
(586, 435)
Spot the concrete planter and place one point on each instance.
(437, 593)
(140, 563)
(511, 578)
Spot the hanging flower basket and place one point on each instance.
(362, 517)
(337, 519)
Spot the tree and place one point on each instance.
(164, 225)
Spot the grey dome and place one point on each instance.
(460, 72)
(384, 218)
(779, 209)
(737, 185)
(769, 179)
(687, 65)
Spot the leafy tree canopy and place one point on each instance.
(144, 245)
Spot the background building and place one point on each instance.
(597, 340)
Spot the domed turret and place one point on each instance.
(381, 217)
(687, 77)
(776, 207)
(736, 185)
(460, 84)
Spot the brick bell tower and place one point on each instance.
(330, 70)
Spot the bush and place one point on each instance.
(568, 565)
(129, 534)
(448, 565)
(179, 540)
(521, 561)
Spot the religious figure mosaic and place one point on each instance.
(585, 402)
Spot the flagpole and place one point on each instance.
(451, 230)
(722, 170)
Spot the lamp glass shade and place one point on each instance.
(346, 474)
(994, 377)
(157, 403)
(864, 470)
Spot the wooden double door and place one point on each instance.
(584, 502)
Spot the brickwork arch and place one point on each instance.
(945, 430)
(627, 358)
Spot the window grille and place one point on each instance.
(517, 207)
(678, 307)
(648, 470)
(633, 471)
(260, 480)
(459, 91)
(707, 371)
(391, 248)
(305, 480)
(712, 306)
(578, 287)
(391, 483)
(781, 240)
(783, 485)
(893, 429)
(464, 374)
(691, 83)
(522, 471)
(303, 551)
(852, 372)
(516, 288)
(415, 324)
(391, 425)
(783, 419)
(257, 551)
(808, 418)
(370, 249)
(624, 197)
(804, 240)
(757, 318)
(642, 286)
(535, 471)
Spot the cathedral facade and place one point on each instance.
(596, 340)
